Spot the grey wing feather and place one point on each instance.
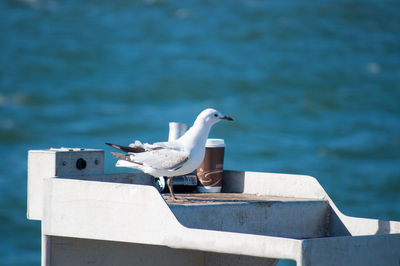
(160, 155)
(166, 159)
(164, 145)
(135, 149)
(138, 147)
(179, 165)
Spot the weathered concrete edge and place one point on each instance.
(304, 186)
(275, 184)
(359, 250)
(104, 211)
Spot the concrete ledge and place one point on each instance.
(260, 217)
(251, 214)
(138, 214)
(301, 186)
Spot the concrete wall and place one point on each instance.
(279, 217)
(74, 251)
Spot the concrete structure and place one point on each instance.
(89, 217)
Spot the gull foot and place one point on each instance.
(178, 200)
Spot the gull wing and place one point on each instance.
(168, 156)
(134, 149)
(162, 159)
(160, 145)
(138, 147)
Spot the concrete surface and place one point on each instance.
(74, 251)
(252, 214)
(61, 163)
(122, 219)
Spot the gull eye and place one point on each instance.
(216, 115)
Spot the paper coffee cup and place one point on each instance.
(209, 173)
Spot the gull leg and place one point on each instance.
(172, 194)
(171, 188)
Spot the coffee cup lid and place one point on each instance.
(212, 143)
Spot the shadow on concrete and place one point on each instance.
(335, 225)
(383, 227)
(233, 181)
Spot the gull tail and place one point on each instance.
(127, 148)
(123, 163)
(121, 156)
(125, 160)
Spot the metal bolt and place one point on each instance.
(96, 162)
(64, 163)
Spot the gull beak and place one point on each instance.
(227, 118)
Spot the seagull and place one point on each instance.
(173, 158)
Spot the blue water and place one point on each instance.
(313, 87)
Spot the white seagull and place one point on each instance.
(173, 158)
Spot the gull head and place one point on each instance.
(211, 116)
